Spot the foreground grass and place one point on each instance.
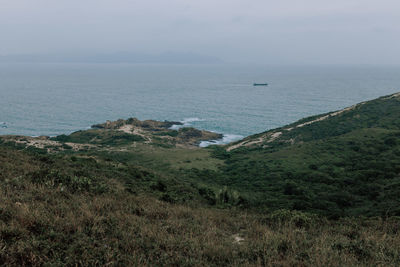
(46, 222)
(46, 226)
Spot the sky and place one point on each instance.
(248, 31)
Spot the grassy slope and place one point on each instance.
(133, 203)
(48, 219)
(165, 159)
(348, 164)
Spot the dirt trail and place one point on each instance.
(267, 138)
(130, 129)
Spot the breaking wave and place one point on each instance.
(227, 138)
(185, 123)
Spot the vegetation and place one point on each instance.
(323, 192)
(49, 218)
(100, 137)
(347, 164)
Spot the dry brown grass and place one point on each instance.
(46, 225)
(43, 225)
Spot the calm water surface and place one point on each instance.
(52, 99)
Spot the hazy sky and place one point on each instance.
(264, 31)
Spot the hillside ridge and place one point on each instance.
(321, 191)
(278, 134)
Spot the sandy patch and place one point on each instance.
(393, 96)
(322, 118)
(49, 145)
(130, 129)
(268, 138)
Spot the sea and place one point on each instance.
(60, 98)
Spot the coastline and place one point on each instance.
(124, 133)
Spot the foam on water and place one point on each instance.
(189, 120)
(227, 138)
(185, 123)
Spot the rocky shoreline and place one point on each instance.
(120, 133)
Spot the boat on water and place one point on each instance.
(260, 84)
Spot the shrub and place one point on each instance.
(229, 197)
(63, 181)
(208, 194)
(159, 186)
(291, 217)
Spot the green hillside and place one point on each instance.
(321, 191)
(336, 164)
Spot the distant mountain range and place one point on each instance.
(117, 57)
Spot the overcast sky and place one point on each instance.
(263, 31)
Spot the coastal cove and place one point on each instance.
(131, 186)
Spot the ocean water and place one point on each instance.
(52, 99)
